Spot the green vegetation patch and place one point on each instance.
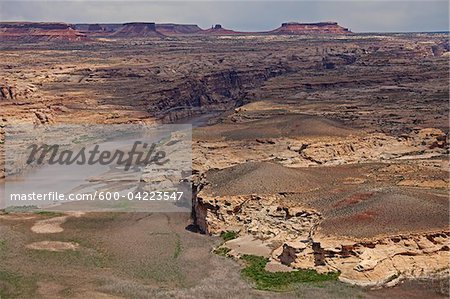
(16, 286)
(49, 213)
(20, 209)
(178, 248)
(222, 251)
(85, 258)
(228, 235)
(92, 222)
(279, 281)
(2, 245)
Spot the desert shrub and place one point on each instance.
(228, 235)
(279, 281)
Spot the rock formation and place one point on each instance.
(177, 29)
(7, 93)
(360, 235)
(95, 27)
(372, 262)
(34, 32)
(39, 32)
(293, 28)
(91, 29)
(219, 30)
(137, 30)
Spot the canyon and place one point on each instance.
(323, 150)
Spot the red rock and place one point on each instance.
(38, 32)
(175, 29)
(95, 29)
(137, 30)
(293, 28)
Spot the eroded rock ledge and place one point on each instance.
(374, 262)
(263, 217)
(291, 233)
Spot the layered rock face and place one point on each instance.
(375, 237)
(35, 32)
(371, 263)
(94, 29)
(7, 93)
(177, 29)
(293, 28)
(39, 32)
(107, 30)
(137, 30)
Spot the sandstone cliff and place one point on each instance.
(39, 32)
(293, 28)
(177, 29)
(34, 31)
(137, 30)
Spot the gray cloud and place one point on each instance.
(360, 16)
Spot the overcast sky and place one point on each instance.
(359, 16)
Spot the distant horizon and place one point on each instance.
(363, 16)
(230, 28)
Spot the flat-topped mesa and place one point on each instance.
(137, 29)
(94, 27)
(97, 28)
(33, 25)
(311, 28)
(46, 31)
(142, 25)
(174, 29)
(38, 32)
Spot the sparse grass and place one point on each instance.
(86, 258)
(228, 235)
(279, 281)
(165, 273)
(122, 205)
(2, 245)
(166, 269)
(178, 248)
(16, 286)
(222, 251)
(20, 209)
(95, 221)
(67, 292)
(49, 213)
